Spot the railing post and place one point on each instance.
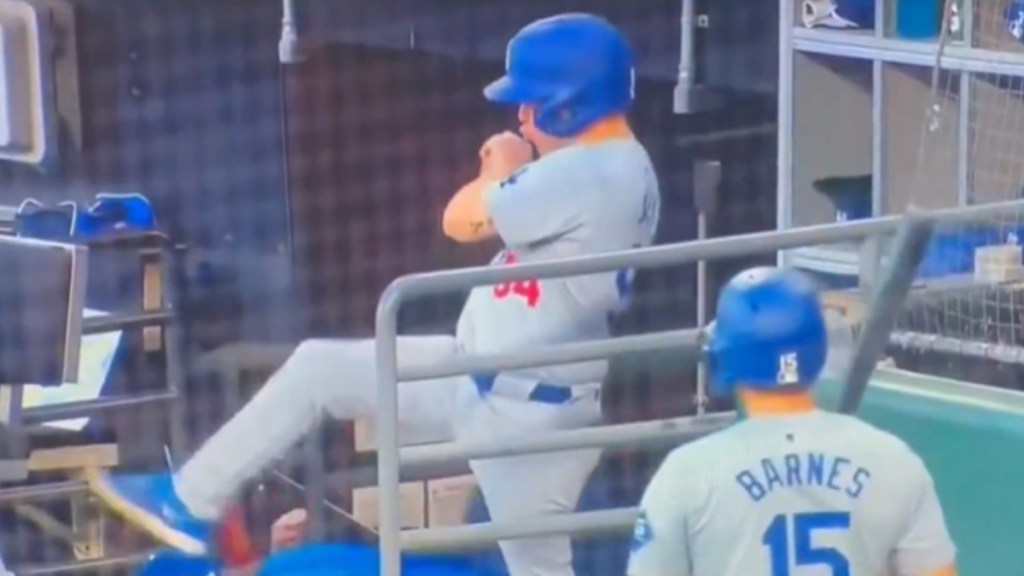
(390, 518)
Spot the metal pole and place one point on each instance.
(685, 341)
(314, 474)
(702, 304)
(675, 430)
(707, 181)
(784, 144)
(289, 50)
(389, 511)
(476, 535)
(681, 96)
(889, 295)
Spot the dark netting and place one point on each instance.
(286, 197)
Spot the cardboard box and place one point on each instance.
(365, 432)
(366, 505)
(848, 304)
(448, 499)
(998, 264)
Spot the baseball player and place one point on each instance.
(789, 490)
(591, 190)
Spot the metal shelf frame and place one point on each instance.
(880, 49)
(149, 249)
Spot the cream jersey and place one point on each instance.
(583, 199)
(815, 494)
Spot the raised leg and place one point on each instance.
(322, 377)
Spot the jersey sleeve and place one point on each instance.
(534, 204)
(661, 544)
(925, 544)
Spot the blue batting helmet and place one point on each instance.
(574, 69)
(769, 332)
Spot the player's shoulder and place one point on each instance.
(871, 436)
(837, 428)
(616, 159)
(867, 442)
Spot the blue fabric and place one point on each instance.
(542, 392)
(115, 213)
(356, 560)
(66, 221)
(154, 497)
(42, 222)
(174, 563)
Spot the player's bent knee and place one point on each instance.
(314, 365)
(337, 375)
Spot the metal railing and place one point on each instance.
(915, 231)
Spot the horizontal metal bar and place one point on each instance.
(1005, 353)
(686, 341)
(478, 535)
(415, 285)
(52, 413)
(84, 565)
(13, 470)
(677, 430)
(41, 492)
(867, 46)
(114, 322)
(365, 474)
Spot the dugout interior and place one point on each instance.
(299, 192)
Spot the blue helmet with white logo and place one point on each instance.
(574, 69)
(769, 332)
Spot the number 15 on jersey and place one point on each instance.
(790, 539)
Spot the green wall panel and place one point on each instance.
(972, 438)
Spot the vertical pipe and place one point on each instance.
(288, 50)
(702, 289)
(966, 80)
(870, 255)
(681, 103)
(315, 494)
(784, 152)
(174, 346)
(390, 520)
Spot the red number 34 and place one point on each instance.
(528, 290)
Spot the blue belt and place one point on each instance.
(541, 392)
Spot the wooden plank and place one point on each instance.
(74, 458)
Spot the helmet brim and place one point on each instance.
(505, 90)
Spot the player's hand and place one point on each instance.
(503, 154)
(289, 530)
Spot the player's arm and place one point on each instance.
(661, 545)
(534, 202)
(925, 547)
(467, 217)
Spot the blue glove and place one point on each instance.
(115, 213)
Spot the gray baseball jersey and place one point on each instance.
(813, 494)
(583, 199)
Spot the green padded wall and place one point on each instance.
(972, 438)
